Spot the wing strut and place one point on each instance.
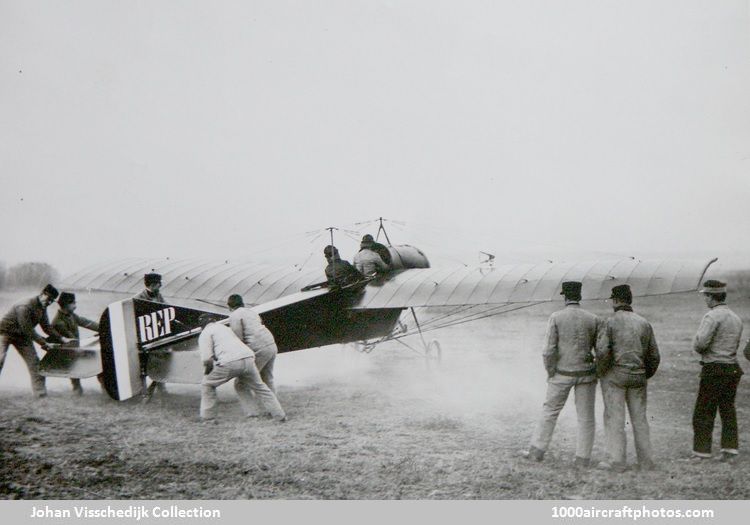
(428, 347)
(419, 327)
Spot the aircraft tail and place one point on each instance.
(142, 338)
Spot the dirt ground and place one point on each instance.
(383, 425)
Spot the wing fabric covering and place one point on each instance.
(214, 281)
(202, 280)
(532, 283)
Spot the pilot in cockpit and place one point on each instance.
(339, 273)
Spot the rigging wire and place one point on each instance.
(466, 320)
(456, 311)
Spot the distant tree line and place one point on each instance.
(27, 275)
(739, 281)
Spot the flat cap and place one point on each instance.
(151, 278)
(714, 286)
(51, 291)
(571, 288)
(66, 298)
(207, 318)
(622, 292)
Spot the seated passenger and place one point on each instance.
(378, 248)
(339, 272)
(368, 262)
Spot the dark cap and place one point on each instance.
(330, 250)
(367, 239)
(207, 317)
(623, 293)
(151, 278)
(571, 289)
(66, 298)
(714, 286)
(235, 301)
(51, 291)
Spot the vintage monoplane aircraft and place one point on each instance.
(140, 338)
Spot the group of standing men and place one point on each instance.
(245, 350)
(621, 353)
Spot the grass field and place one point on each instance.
(366, 426)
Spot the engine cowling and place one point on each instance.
(404, 256)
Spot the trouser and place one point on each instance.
(28, 353)
(247, 383)
(618, 394)
(716, 391)
(558, 388)
(155, 386)
(264, 361)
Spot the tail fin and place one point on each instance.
(130, 330)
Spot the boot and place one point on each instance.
(533, 454)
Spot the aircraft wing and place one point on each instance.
(213, 281)
(196, 280)
(531, 283)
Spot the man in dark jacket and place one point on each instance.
(339, 272)
(66, 322)
(17, 329)
(717, 342)
(152, 292)
(627, 356)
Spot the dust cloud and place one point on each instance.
(490, 372)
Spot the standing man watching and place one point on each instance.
(248, 326)
(17, 329)
(569, 361)
(225, 357)
(627, 356)
(66, 322)
(717, 342)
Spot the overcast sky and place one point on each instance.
(215, 129)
